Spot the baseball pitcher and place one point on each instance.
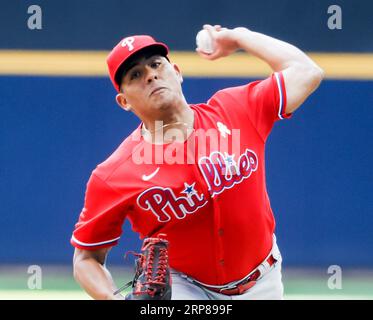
(191, 177)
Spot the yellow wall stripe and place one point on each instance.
(92, 63)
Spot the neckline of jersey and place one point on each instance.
(166, 145)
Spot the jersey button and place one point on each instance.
(220, 232)
(221, 262)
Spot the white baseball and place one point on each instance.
(205, 42)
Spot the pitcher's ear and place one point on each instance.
(178, 72)
(122, 102)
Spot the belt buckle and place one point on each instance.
(244, 287)
(228, 287)
(240, 287)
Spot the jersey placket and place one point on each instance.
(217, 228)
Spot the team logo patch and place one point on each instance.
(223, 129)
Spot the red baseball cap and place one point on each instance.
(126, 48)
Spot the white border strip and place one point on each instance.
(93, 244)
(278, 81)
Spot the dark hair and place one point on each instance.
(143, 53)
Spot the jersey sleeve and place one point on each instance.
(100, 222)
(264, 102)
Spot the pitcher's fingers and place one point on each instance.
(203, 54)
(210, 56)
(210, 29)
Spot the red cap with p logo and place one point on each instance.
(125, 49)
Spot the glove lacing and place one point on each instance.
(161, 270)
(141, 265)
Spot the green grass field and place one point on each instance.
(58, 284)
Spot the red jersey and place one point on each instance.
(212, 203)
